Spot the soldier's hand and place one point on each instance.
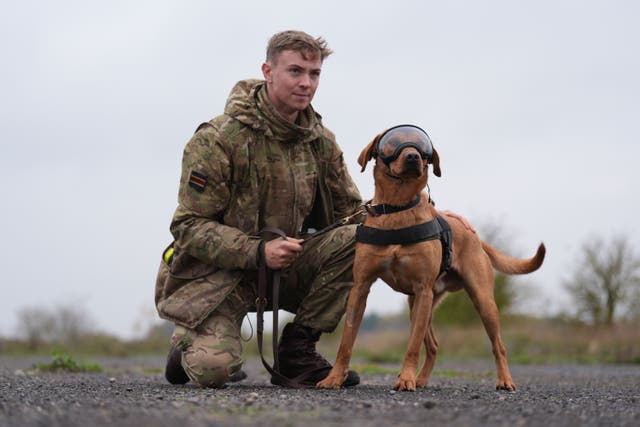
(281, 253)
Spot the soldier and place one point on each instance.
(267, 160)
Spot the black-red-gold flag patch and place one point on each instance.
(197, 181)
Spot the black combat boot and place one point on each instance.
(297, 356)
(174, 372)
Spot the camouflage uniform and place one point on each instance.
(244, 170)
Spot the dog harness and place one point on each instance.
(437, 228)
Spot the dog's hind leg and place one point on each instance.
(479, 286)
(431, 349)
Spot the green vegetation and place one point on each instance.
(529, 340)
(605, 284)
(457, 308)
(156, 341)
(63, 362)
(374, 369)
(448, 373)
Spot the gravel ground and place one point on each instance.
(133, 392)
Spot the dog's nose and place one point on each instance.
(412, 157)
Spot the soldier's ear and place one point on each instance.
(367, 154)
(266, 71)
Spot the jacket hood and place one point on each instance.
(249, 103)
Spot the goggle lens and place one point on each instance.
(397, 138)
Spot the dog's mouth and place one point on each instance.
(412, 168)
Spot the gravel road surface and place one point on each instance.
(133, 392)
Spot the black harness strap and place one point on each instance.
(446, 238)
(431, 230)
(402, 236)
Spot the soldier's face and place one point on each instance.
(292, 81)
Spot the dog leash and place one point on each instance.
(264, 272)
(266, 276)
(339, 223)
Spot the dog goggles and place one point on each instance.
(394, 140)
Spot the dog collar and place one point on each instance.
(384, 208)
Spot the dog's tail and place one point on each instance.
(509, 265)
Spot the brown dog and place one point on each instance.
(414, 269)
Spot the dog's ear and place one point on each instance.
(436, 163)
(367, 153)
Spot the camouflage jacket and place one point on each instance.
(241, 171)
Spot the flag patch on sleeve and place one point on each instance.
(197, 181)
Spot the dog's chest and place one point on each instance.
(402, 271)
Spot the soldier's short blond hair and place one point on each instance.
(299, 41)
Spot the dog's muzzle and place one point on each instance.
(394, 140)
(412, 163)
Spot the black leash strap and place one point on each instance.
(265, 275)
(339, 223)
(261, 303)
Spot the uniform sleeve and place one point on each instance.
(202, 199)
(346, 197)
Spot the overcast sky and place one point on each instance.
(532, 105)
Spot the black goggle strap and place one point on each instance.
(417, 145)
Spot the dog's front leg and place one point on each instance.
(353, 317)
(420, 314)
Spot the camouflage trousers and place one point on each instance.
(315, 288)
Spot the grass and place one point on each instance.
(63, 362)
(374, 369)
(528, 341)
(449, 373)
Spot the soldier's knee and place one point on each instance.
(211, 370)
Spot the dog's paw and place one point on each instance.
(422, 382)
(408, 384)
(505, 385)
(331, 382)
